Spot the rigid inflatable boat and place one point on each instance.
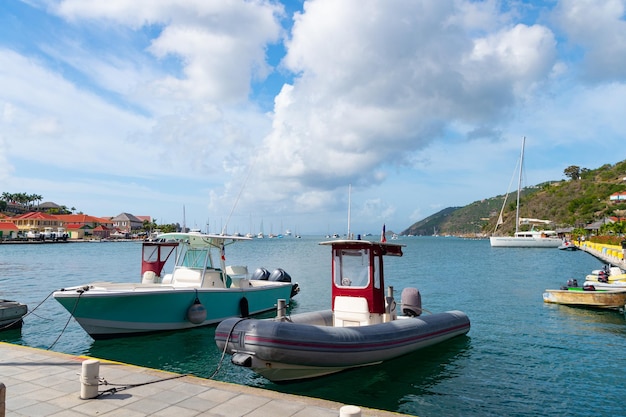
(362, 328)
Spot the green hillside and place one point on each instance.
(568, 203)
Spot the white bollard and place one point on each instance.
(89, 379)
(281, 309)
(349, 411)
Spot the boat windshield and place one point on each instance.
(352, 267)
(196, 258)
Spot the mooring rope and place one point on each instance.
(27, 314)
(219, 364)
(80, 293)
(122, 387)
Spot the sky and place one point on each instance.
(320, 116)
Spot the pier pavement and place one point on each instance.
(35, 382)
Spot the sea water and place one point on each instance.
(521, 357)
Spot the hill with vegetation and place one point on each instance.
(576, 202)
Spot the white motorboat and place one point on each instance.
(362, 327)
(568, 246)
(201, 290)
(607, 275)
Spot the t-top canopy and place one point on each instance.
(386, 248)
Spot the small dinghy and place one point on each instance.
(589, 295)
(11, 313)
(362, 328)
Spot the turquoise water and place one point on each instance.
(520, 358)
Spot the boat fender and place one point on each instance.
(242, 359)
(411, 302)
(196, 313)
(280, 275)
(261, 273)
(244, 309)
(589, 288)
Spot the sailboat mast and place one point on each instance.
(519, 184)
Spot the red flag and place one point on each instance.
(383, 238)
(223, 253)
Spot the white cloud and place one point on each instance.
(377, 84)
(221, 45)
(598, 28)
(418, 104)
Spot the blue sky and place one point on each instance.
(255, 111)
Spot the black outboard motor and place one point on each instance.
(280, 275)
(411, 302)
(261, 273)
(603, 275)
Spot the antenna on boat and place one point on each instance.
(349, 204)
(238, 196)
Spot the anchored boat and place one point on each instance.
(362, 328)
(11, 313)
(591, 294)
(614, 299)
(524, 239)
(201, 290)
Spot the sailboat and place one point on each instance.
(525, 239)
(260, 235)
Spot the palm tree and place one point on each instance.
(35, 197)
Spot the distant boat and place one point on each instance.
(524, 239)
(33, 234)
(260, 235)
(567, 245)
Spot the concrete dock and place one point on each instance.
(604, 255)
(35, 382)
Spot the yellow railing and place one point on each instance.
(614, 251)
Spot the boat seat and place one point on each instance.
(241, 283)
(236, 271)
(238, 276)
(186, 277)
(353, 311)
(149, 277)
(212, 279)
